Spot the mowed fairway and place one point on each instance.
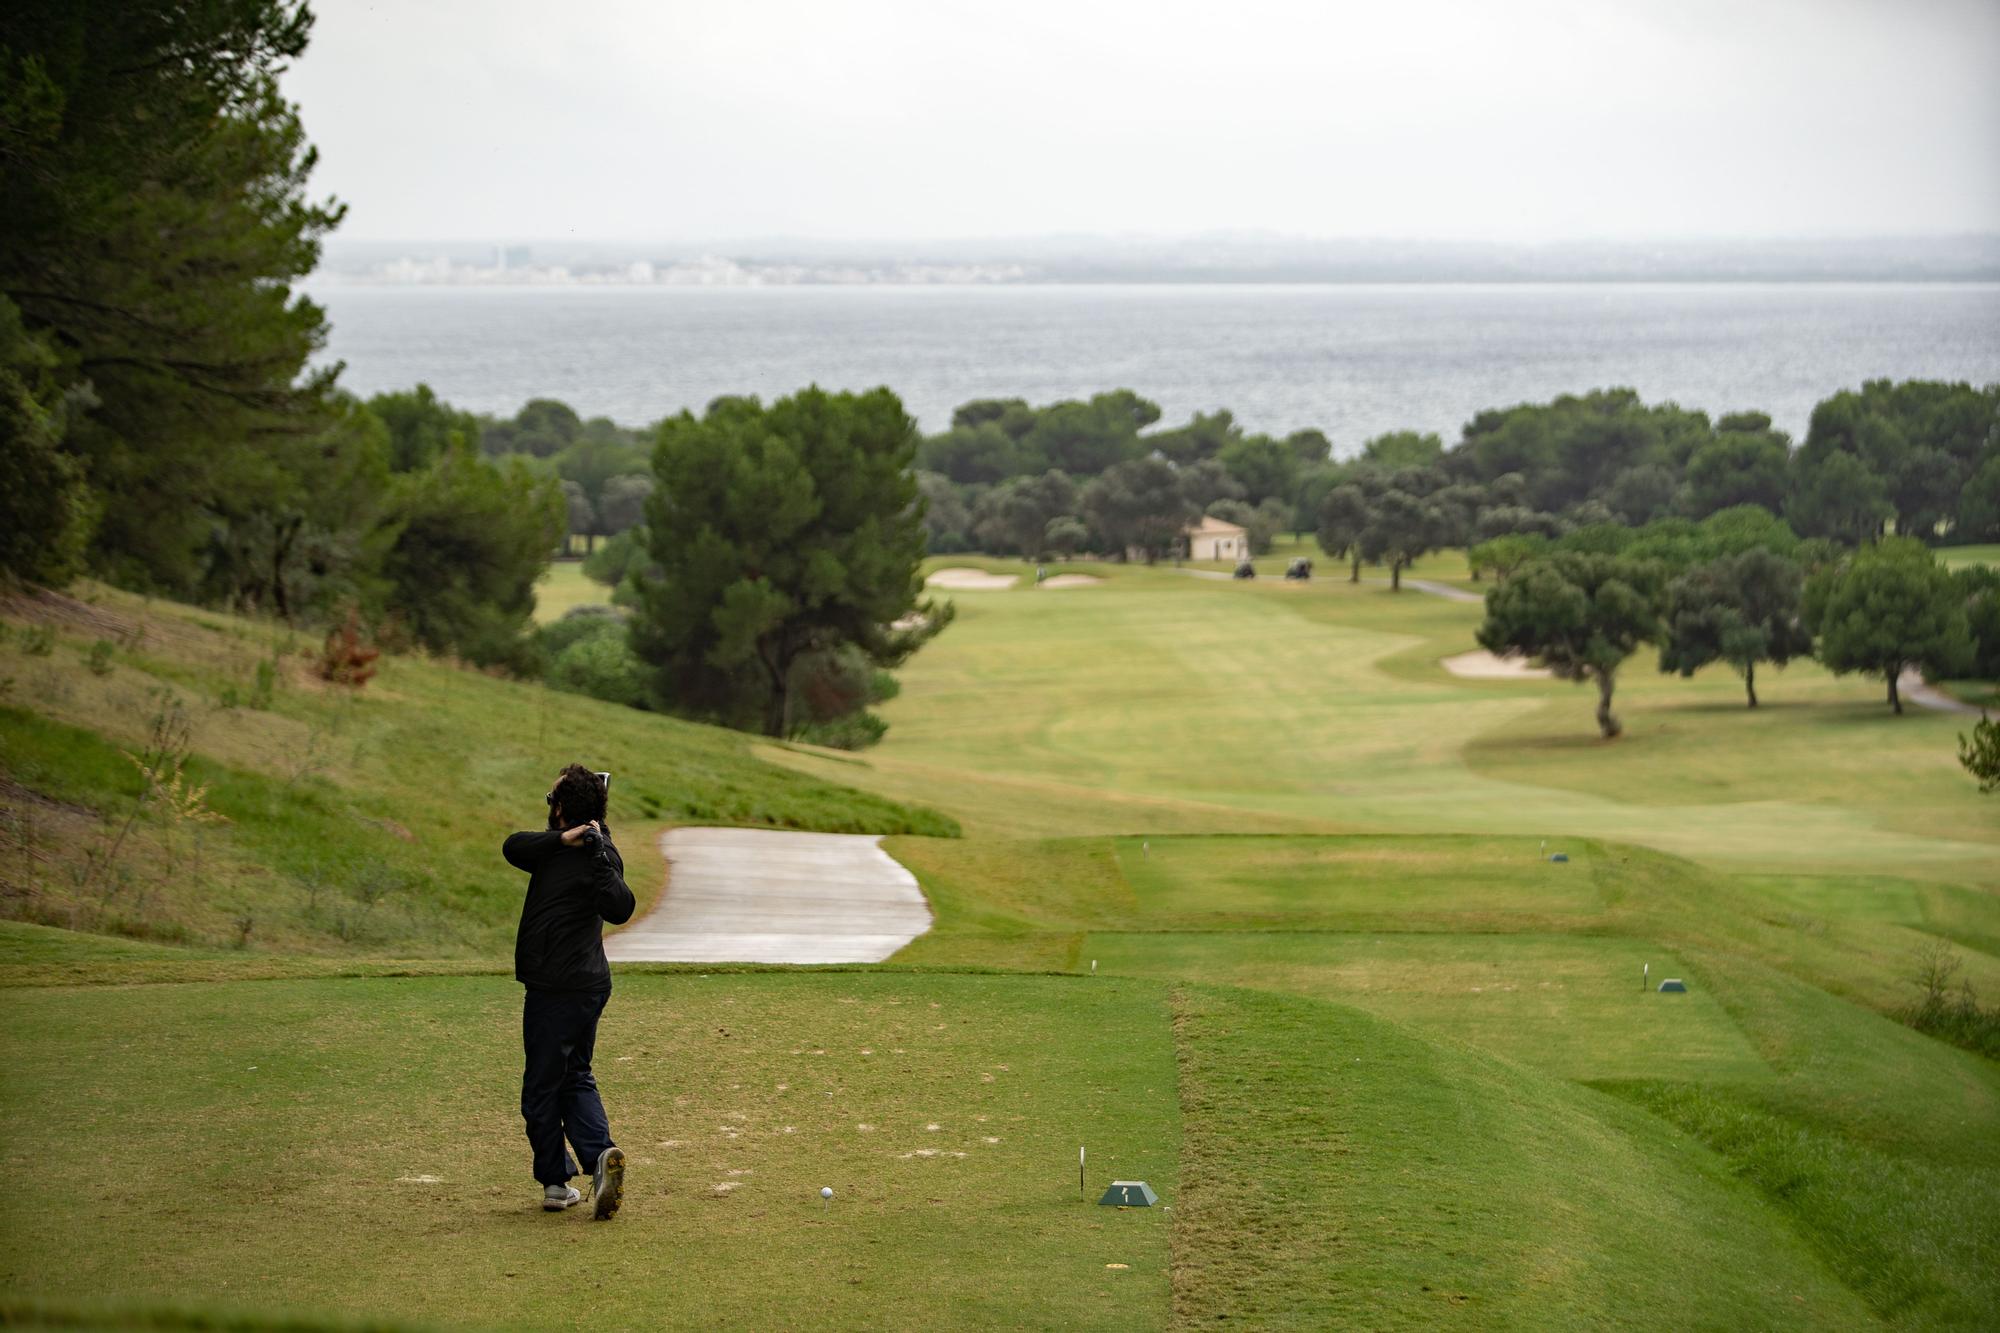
(1160, 701)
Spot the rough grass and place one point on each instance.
(1915, 1238)
(357, 822)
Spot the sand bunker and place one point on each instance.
(970, 580)
(1072, 581)
(1482, 665)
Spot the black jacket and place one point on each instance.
(571, 891)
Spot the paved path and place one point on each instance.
(1912, 687)
(1444, 590)
(769, 896)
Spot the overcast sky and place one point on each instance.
(890, 119)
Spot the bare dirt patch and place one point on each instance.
(42, 606)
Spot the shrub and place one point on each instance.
(266, 686)
(601, 665)
(852, 731)
(582, 622)
(1947, 1012)
(346, 658)
(98, 659)
(617, 557)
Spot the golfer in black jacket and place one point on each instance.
(576, 883)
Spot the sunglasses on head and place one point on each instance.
(549, 798)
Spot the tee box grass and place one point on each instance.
(350, 1147)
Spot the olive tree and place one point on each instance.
(1888, 609)
(1581, 615)
(1741, 609)
(1343, 517)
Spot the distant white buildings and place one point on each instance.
(515, 266)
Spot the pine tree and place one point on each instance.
(152, 218)
(779, 534)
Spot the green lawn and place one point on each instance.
(1254, 899)
(351, 1147)
(562, 588)
(1874, 1147)
(1956, 556)
(1339, 1172)
(1572, 1005)
(1156, 701)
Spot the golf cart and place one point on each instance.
(1300, 570)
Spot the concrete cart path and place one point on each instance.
(768, 896)
(1912, 686)
(1444, 590)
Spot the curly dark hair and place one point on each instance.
(580, 794)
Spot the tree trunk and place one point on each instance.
(281, 551)
(1895, 699)
(777, 708)
(1355, 577)
(1750, 681)
(1395, 576)
(1607, 722)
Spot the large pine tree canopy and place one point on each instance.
(153, 214)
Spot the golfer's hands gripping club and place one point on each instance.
(573, 836)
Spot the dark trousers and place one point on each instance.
(558, 1092)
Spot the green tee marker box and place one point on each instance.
(1129, 1194)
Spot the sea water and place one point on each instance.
(1352, 360)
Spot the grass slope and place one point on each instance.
(1341, 1173)
(357, 822)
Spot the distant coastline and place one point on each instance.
(1146, 261)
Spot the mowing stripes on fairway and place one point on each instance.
(1570, 1005)
(1338, 1172)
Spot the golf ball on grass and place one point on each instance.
(826, 1192)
